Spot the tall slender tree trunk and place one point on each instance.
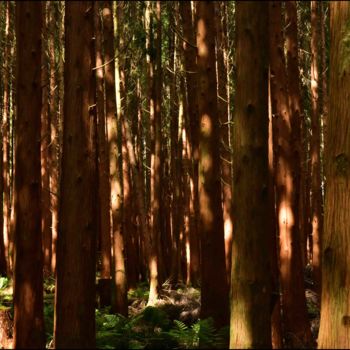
(28, 258)
(225, 153)
(192, 111)
(154, 180)
(46, 220)
(76, 245)
(6, 142)
(103, 155)
(335, 319)
(316, 189)
(54, 130)
(214, 288)
(276, 321)
(251, 284)
(296, 114)
(113, 105)
(3, 265)
(156, 169)
(295, 321)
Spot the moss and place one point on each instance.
(342, 164)
(345, 49)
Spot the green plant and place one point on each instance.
(201, 334)
(4, 282)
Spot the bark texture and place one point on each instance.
(214, 288)
(250, 285)
(335, 316)
(28, 258)
(76, 245)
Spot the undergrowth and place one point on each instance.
(145, 328)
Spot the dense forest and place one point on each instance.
(175, 174)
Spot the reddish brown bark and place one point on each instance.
(315, 144)
(76, 245)
(251, 284)
(225, 151)
(46, 219)
(28, 266)
(113, 104)
(334, 324)
(54, 130)
(192, 111)
(103, 155)
(295, 321)
(6, 144)
(214, 288)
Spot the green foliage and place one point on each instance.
(4, 282)
(152, 329)
(141, 292)
(48, 320)
(201, 334)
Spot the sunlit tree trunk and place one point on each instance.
(3, 265)
(76, 245)
(225, 152)
(295, 322)
(214, 288)
(250, 285)
(296, 114)
(119, 298)
(276, 322)
(192, 111)
(6, 141)
(28, 258)
(54, 130)
(103, 155)
(46, 219)
(174, 146)
(335, 318)
(316, 190)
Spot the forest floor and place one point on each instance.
(172, 323)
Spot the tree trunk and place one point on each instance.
(192, 111)
(276, 322)
(225, 153)
(6, 142)
(316, 189)
(46, 220)
(251, 283)
(103, 156)
(335, 319)
(76, 245)
(54, 130)
(214, 289)
(28, 268)
(295, 321)
(113, 105)
(296, 115)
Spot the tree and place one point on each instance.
(286, 173)
(46, 222)
(28, 258)
(103, 155)
(189, 51)
(250, 285)
(335, 319)
(316, 189)
(6, 141)
(225, 125)
(214, 288)
(76, 245)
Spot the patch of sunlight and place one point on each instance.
(206, 125)
(202, 47)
